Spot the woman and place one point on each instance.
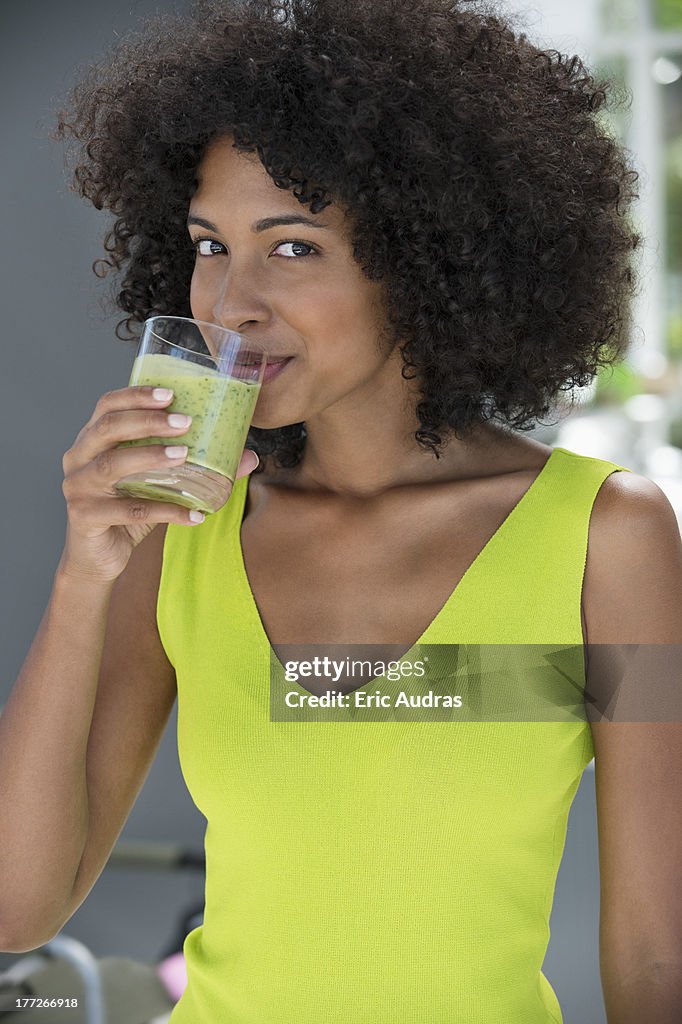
(425, 214)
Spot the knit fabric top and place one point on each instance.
(377, 871)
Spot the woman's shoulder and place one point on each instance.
(628, 506)
(634, 561)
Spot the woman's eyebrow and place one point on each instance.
(264, 224)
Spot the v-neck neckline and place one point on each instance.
(471, 570)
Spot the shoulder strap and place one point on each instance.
(197, 562)
(528, 587)
(551, 539)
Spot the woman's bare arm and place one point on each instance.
(77, 738)
(633, 594)
(85, 716)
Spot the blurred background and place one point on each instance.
(60, 355)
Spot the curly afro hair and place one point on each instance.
(485, 191)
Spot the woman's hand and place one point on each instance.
(104, 527)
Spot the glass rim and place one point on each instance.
(192, 320)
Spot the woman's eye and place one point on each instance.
(210, 247)
(203, 246)
(299, 245)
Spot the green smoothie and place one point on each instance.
(221, 409)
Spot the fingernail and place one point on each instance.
(178, 419)
(162, 394)
(256, 463)
(175, 451)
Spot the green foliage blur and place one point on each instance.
(615, 384)
(668, 13)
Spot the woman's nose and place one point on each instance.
(240, 301)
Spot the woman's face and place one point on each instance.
(295, 287)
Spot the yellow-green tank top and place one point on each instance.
(383, 872)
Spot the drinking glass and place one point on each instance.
(216, 376)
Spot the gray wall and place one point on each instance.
(59, 355)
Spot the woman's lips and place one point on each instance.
(274, 368)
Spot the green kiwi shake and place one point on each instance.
(221, 408)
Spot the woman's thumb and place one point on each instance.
(251, 460)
